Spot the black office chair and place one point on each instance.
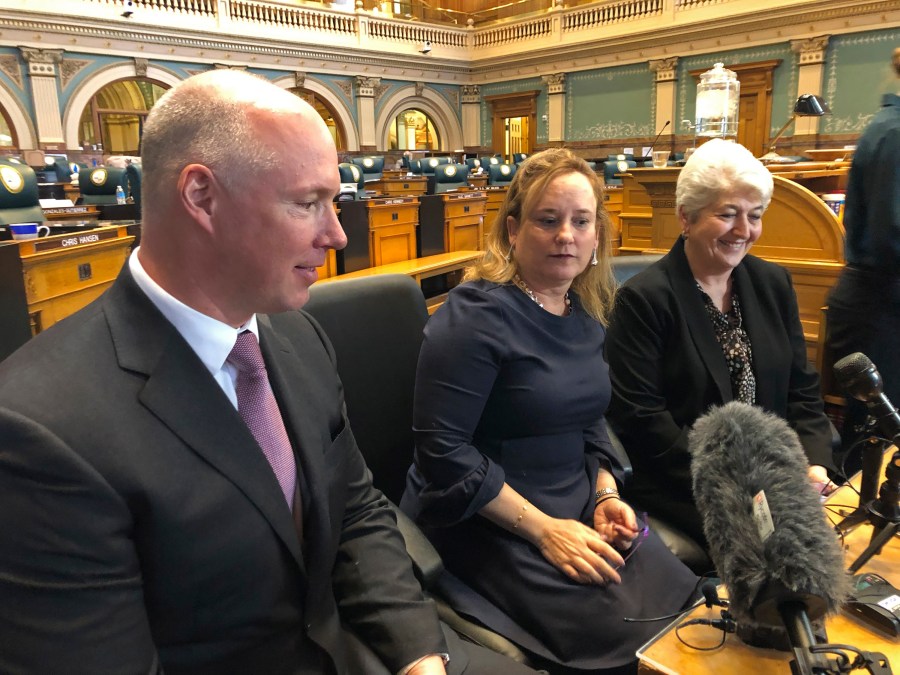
(98, 185)
(375, 325)
(133, 182)
(501, 174)
(19, 201)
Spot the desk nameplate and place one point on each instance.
(70, 240)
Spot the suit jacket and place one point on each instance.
(141, 526)
(667, 369)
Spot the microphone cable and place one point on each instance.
(726, 624)
(710, 598)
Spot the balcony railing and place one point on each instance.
(289, 23)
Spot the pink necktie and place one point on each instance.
(257, 405)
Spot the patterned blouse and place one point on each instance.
(729, 329)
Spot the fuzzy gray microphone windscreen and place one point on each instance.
(737, 451)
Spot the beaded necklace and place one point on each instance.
(518, 281)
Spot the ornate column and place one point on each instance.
(665, 93)
(43, 69)
(471, 117)
(365, 107)
(810, 77)
(556, 106)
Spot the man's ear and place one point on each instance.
(198, 190)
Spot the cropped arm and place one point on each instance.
(805, 408)
(635, 348)
(458, 365)
(70, 579)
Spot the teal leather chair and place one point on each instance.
(372, 167)
(473, 163)
(519, 157)
(18, 194)
(449, 177)
(429, 164)
(98, 185)
(352, 173)
(612, 167)
(501, 174)
(488, 162)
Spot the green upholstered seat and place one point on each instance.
(473, 163)
(501, 174)
(352, 173)
(372, 167)
(18, 194)
(449, 177)
(98, 185)
(519, 157)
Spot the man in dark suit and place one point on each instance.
(143, 527)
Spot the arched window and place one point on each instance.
(114, 119)
(7, 135)
(413, 130)
(326, 112)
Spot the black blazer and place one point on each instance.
(141, 526)
(667, 369)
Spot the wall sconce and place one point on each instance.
(807, 105)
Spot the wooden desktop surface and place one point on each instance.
(666, 654)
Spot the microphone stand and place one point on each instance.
(872, 454)
(883, 513)
(644, 159)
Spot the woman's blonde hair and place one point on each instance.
(595, 286)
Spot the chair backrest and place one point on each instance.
(626, 266)
(19, 194)
(415, 166)
(473, 163)
(429, 164)
(352, 173)
(519, 157)
(613, 167)
(488, 162)
(501, 174)
(449, 177)
(372, 167)
(98, 185)
(132, 185)
(59, 167)
(375, 325)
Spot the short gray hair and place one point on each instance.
(717, 167)
(209, 119)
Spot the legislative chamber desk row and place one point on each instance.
(667, 654)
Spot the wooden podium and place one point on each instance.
(45, 280)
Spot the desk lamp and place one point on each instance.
(807, 105)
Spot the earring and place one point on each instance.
(594, 260)
(509, 253)
(684, 235)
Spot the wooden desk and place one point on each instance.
(419, 269)
(399, 186)
(45, 280)
(495, 195)
(665, 654)
(452, 221)
(379, 231)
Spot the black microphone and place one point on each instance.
(859, 377)
(767, 533)
(711, 595)
(657, 138)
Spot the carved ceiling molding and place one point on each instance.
(9, 65)
(69, 68)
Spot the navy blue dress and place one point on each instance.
(508, 392)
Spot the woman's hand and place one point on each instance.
(818, 476)
(580, 552)
(616, 522)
